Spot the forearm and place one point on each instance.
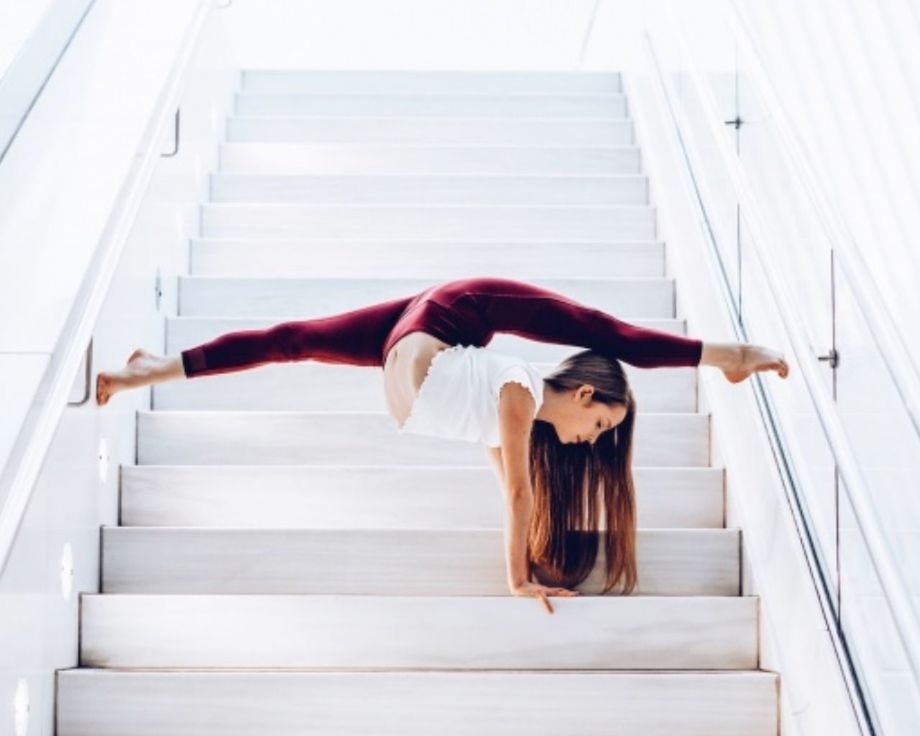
(518, 508)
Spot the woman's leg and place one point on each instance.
(522, 308)
(353, 338)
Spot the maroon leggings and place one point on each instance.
(463, 311)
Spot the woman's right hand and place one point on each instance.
(542, 592)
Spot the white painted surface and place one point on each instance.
(294, 437)
(81, 138)
(427, 81)
(610, 189)
(255, 297)
(83, 134)
(21, 374)
(390, 158)
(472, 130)
(389, 104)
(379, 497)
(356, 561)
(432, 259)
(101, 703)
(617, 222)
(393, 632)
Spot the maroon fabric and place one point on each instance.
(465, 311)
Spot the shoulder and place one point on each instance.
(518, 391)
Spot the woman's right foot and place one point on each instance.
(754, 358)
(140, 370)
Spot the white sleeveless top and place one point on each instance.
(459, 397)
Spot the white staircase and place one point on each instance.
(287, 564)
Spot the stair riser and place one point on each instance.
(378, 498)
(435, 260)
(364, 438)
(434, 105)
(418, 562)
(393, 189)
(364, 221)
(434, 130)
(650, 632)
(430, 82)
(416, 703)
(316, 159)
(254, 297)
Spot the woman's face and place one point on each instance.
(581, 419)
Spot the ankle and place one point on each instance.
(725, 355)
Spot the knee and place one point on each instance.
(287, 339)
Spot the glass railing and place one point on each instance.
(845, 423)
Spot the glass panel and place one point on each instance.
(882, 438)
(869, 627)
(883, 441)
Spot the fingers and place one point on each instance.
(546, 604)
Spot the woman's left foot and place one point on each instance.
(138, 371)
(756, 358)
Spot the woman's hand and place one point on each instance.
(542, 592)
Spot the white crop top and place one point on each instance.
(459, 397)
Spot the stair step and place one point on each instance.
(454, 130)
(434, 632)
(392, 158)
(419, 258)
(405, 81)
(458, 562)
(267, 219)
(316, 386)
(496, 189)
(401, 104)
(204, 296)
(343, 497)
(364, 438)
(185, 332)
(94, 702)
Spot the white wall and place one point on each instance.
(438, 34)
(18, 19)
(848, 74)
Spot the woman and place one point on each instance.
(440, 379)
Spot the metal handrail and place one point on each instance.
(87, 377)
(854, 482)
(889, 340)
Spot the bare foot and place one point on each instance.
(141, 367)
(756, 358)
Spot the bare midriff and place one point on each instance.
(405, 368)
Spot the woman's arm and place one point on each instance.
(515, 418)
(512, 465)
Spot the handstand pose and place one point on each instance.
(561, 445)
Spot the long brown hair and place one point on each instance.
(574, 483)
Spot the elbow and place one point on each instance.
(519, 495)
